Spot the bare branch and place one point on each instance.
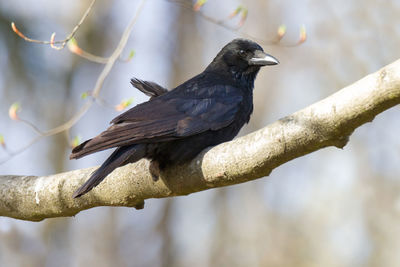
(328, 122)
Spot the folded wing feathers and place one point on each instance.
(171, 119)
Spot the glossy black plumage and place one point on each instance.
(174, 126)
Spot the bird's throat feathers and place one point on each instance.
(244, 78)
(247, 77)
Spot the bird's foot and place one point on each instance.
(154, 170)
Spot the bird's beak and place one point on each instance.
(262, 59)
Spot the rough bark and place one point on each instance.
(328, 122)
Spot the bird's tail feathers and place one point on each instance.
(120, 157)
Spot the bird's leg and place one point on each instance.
(154, 170)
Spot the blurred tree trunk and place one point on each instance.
(187, 41)
(218, 250)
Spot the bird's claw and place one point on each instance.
(154, 170)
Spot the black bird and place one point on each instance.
(174, 126)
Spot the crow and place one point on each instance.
(174, 126)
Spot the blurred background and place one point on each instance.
(330, 208)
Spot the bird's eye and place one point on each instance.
(242, 53)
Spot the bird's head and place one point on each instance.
(241, 58)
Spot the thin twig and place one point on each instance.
(30, 124)
(97, 59)
(52, 42)
(74, 48)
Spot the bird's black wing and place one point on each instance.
(172, 116)
(151, 89)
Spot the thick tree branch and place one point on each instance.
(329, 122)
